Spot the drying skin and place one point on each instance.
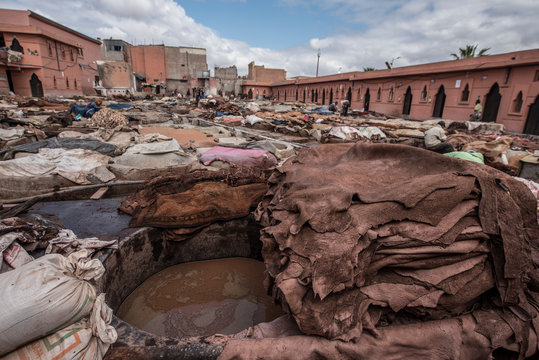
(389, 251)
(184, 204)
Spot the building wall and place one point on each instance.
(258, 91)
(86, 62)
(183, 63)
(511, 79)
(18, 17)
(149, 61)
(116, 74)
(109, 51)
(226, 73)
(260, 73)
(61, 73)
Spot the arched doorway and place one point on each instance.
(367, 100)
(316, 96)
(285, 95)
(323, 96)
(304, 93)
(439, 103)
(532, 121)
(331, 96)
(407, 102)
(250, 94)
(296, 94)
(349, 95)
(312, 96)
(36, 86)
(492, 103)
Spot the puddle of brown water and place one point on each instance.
(200, 298)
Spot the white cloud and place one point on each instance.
(418, 31)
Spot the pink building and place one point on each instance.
(507, 86)
(45, 58)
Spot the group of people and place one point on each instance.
(435, 137)
(345, 106)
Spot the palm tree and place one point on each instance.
(469, 52)
(365, 69)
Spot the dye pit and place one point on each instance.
(201, 298)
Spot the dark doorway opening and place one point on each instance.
(532, 121)
(407, 102)
(312, 96)
(492, 104)
(323, 96)
(10, 81)
(296, 95)
(439, 103)
(367, 100)
(285, 95)
(250, 94)
(36, 86)
(349, 95)
(331, 96)
(316, 96)
(304, 94)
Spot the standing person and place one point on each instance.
(477, 111)
(197, 96)
(435, 139)
(345, 106)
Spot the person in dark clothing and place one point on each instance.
(332, 107)
(16, 46)
(345, 106)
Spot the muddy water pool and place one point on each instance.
(200, 298)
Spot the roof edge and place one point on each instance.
(52, 22)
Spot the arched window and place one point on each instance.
(517, 103)
(67, 82)
(54, 81)
(75, 83)
(391, 94)
(379, 95)
(50, 49)
(465, 94)
(71, 54)
(424, 93)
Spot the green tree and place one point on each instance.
(469, 52)
(365, 69)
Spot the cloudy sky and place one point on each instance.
(351, 34)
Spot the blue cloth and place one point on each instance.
(119, 106)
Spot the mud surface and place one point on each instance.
(88, 218)
(201, 298)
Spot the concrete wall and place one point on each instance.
(115, 50)
(226, 73)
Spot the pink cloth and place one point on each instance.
(240, 157)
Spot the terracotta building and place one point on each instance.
(260, 80)
(169, 68)
(506, 85)
(45, 58)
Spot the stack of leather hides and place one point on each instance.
(186, 203)
(377, 244)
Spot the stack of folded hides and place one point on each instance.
(365, 238)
